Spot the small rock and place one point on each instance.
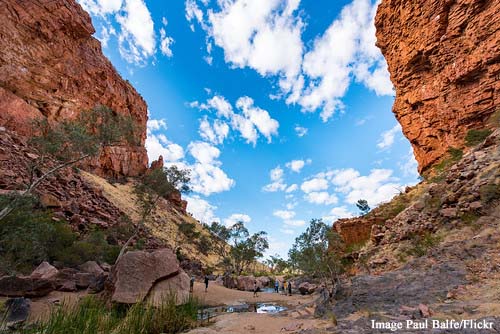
(45, 271)
(18, 310)
(249, 327)
(475, 205)
(424, 310)
(295, 326)
(50, 201)
(449, 212)
(83, 280)
(91, 267)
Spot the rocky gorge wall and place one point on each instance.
(51, 66)
(444, 62)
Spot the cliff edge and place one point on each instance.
(51, 66)
(444, 61)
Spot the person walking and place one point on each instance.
(206, 283)
(191, 284)
(277, 286)
(283, 288)
(255, 289)
(290, 288)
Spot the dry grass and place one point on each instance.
(165, 222)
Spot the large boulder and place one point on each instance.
(45, 271)
(25, 286)
(136, 272)
(230, 282)
(245, 283)
(177, 286)
(307, 288)
(17, 312)
(91, 267)
(263, 281)
(66, 280)
(84, 280)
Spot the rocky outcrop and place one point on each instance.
(51, 66)
(307, 288)
(25, 286)
(66, 194)
(444, 61)
(157, 274)
(354, 230)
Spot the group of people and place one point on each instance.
(286, 287)
(191, 283)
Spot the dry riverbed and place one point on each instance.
(298, 316)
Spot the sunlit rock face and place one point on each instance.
(51, 66)
(444, 61)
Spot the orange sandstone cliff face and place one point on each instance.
(444, 61)
(50, 65)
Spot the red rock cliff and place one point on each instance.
(444, 61)
(51, 65)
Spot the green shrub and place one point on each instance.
(29, 236)
(453, 155)
(93, 316)
(489, 193)
(94, 247)
(422, 243)
(475, 137)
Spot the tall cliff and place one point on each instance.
(444, 61)
(51, 66)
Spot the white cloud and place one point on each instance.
(201, 209)
(137, 38)
(252, 120)
(165, 41)
(259, 117)
(158, 144)
(377, 187)
(246, 128)
(193, 12)
(295, 223)
(215, 133)
(101, 7)
(203, 152)
(206, 175)
(297, 165)
(284, 214)
(338, 213)
(266, 35)
(387, 137)
(277, 182)
(156, 124)
(208, 179)
(260, 34)
(314, 184)
(136, 35)
(237, 217)
(321, 197)
(221, 105)
(292, 188)
(301, 131)
(409, 165)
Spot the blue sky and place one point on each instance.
(280, 108)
